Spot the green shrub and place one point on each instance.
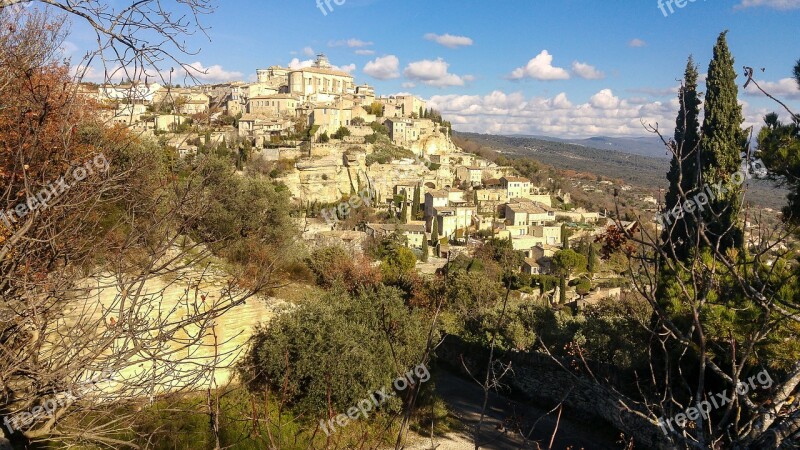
(342, 132)
(336, 349)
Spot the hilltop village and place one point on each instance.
(362, 166)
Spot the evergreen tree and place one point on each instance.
(683, 173)
(591, 265)
(797, 73)
(562, 290)
(435, 236)
(416, 202)
(424, 250)
(721, 148)
(565, 236)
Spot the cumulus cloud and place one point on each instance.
(786, 87)
(449, 40)
(434, 73)
(603, 114)
(308, 51)
(383, 68)
(213, 73)
(502, 113)
(295, 63)
(605, 99)
(636, 43)
(774, 4)
(587, 71)
(540, 68)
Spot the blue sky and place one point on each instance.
(564, 68)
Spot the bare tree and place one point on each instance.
(105, 254)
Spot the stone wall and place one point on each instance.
(538, 379)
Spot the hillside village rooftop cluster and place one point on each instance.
(294, 116)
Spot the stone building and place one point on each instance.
(321, 78)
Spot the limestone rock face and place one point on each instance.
(323, 180)
(171, 301)
(436, 144)
(328, 178)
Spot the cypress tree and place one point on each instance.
(683, 174)
(721, 148)
(435, 236)
(562, 290)
(416, 203)
(424, 250)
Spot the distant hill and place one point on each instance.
(644, 146)
(633, 168)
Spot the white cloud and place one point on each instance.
(636, 43)
(786, 87)
(604, 114)
(383, 68)
(365, 52)
(348, 68)
(409, 85)
(434, 73)
(352, 43)
(308, 51)
(213, 73)
(587, 71)
(295, 63)
(449, 40)
(502, 113)
(774, 4)
(605, 99)
(540, 68)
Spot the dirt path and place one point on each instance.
(464, 399)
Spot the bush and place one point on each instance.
(342, 132)
(379, 128)
(323, 138)
(337, 349)
(333, 265)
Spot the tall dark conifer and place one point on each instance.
(683, 174)
(415, 202)
(721, 148)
